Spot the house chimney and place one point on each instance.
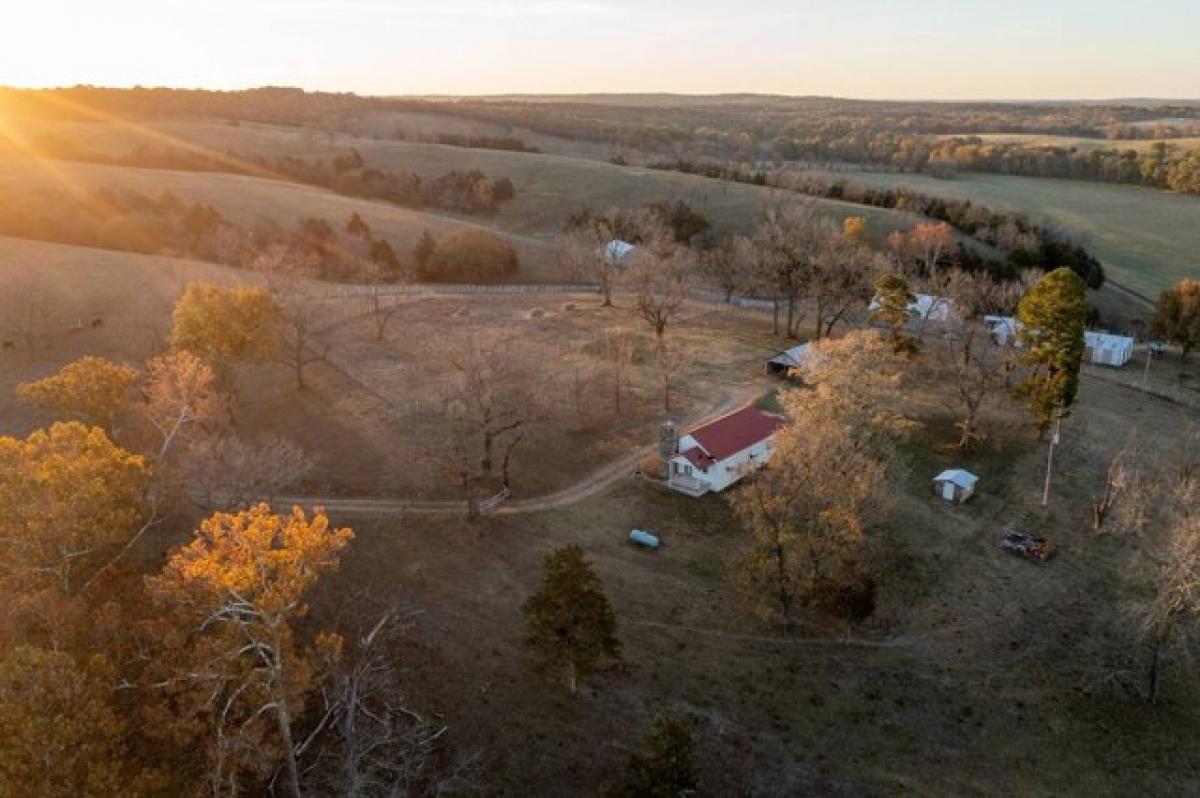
(668, 446)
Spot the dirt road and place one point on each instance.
(590, 485)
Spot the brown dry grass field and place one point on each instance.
(978, 674)
(377, 432)
(549, 187)
(396, 390)
(249, 200)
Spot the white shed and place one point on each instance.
(955, 485)
(1106, 349)
(1003, 329)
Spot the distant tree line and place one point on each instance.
(1163, 165)
(469, 192)
(684, 222)
(1026, 245)
(478, 142)
(910, 136)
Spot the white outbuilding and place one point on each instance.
(1106, 349)
(924, 308)
(955, 485)
(795, 358)
(617, 251)
(1102, 348)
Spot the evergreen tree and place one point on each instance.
(383, 256)
(358, 227)
(1051, 318)
(662, 767)
(569, 623)
(424, 250)
(892, 297)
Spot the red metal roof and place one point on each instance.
(726, 436)
(698, 458)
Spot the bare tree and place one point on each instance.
(789, 242)
(593, 250)
(1172, 614)
(1121, 480)
(368, 740)
(662, 279)
(975, 369)
(671, 358)
(382, 304)
(227, 471)
(619, 346)
(843, 279)
(727, 266)
(290, 279)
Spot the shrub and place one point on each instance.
(470, 256)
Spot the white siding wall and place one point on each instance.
(723, 474)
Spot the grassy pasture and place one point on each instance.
(1147, 239)
(549, 187)
(1080, 143)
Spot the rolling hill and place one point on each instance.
(549, 187)
(1147, 239)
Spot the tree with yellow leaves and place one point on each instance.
(66, 494)
(93, 390)
(59, 731)
(226, 325)
(809, 512)
(854, 228)
(232, 663)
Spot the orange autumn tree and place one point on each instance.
(92, 390)
(232, 672)
(66, 494)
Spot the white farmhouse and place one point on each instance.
(712, 457)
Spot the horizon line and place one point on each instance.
(1146, 98)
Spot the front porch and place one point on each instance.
(688, 485)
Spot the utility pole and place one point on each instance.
(1146, 373)
(1050, 457)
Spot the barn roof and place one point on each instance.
(726, 436)
(1099, 338)
(792, 358)
(617, 250)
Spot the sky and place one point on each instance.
(920, 49)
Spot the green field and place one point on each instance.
(1147, 239)
(1079, 143)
